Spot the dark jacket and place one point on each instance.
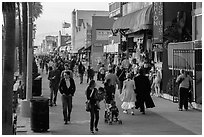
(64, 89)
(121, 74)
(143, 89)
(109, 90)
(81, 69)
(51, 78)
(54, 77)
(93, 97)
(90, 72)
(142, 85)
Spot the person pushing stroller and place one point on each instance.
(111, 110)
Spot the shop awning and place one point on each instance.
(138, 20)
(81, 50)
(88, 48)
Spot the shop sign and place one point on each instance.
(103, 34)
(98, 44)
(158, 22)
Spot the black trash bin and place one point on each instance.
(39, 114)
(37, 86)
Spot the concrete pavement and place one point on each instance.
(164, 119)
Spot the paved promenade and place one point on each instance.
(164, 119)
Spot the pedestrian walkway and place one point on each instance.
(164, 119)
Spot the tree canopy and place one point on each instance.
(37, 10)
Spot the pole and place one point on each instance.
(30, 53)
(25, 112)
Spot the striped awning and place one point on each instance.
(138, 20)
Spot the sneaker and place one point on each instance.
(96, 129)
(92, 132)
(65, 122)
(132, 113)
(180, 109)
(125, 112)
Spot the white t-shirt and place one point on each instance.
(67, 82)
(125, 63)
(185, 83)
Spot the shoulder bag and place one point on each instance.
(88, 104)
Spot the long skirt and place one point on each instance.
(128, 105)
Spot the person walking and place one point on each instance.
(113, 80)
(121, 75)
(67, 88)
(125, 63)
(66, 68)
(42, 64)
(51, 78)
(102, 72)
(46, 67)
(128, 92)
(143, 89)
(90, 74)
(56, 85)
(81, 70)
(94, 112)
(98, 72)
(109, 91)
(184, 81)
(156, 84)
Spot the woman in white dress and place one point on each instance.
(129, 95)
(156, 84)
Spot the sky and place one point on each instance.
(55, 13)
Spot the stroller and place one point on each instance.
(111, 112)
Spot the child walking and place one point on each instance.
(129, 95)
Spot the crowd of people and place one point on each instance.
(136, 83)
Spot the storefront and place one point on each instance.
(136, 31)
(87, 51)
(81, 54)
(177, 24)
(111, 53)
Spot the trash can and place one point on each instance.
(37, 86)
(39, 114)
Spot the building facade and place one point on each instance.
(134, 28)
(101, 30)
(165, 31)
(81, 24)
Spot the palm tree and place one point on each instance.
(9, 12)
(37, 10)
(8, 46)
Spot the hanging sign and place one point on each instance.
(158, 22)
